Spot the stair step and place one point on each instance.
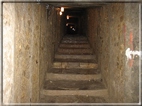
(76, 60)
(69, 41)
(81, 57)
(79, 65)
(74, 51)
(73, 85)
(73, 71)
(53, 76)
(96, 93)
(73, 99)
(65, 45)
(75, 38)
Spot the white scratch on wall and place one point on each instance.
(131, 54)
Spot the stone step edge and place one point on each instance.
(75, 38)
(73, 71)
(52, 76)
(69, 44)
(67, 53)
(75, 51)
(88, 49)
(74, 47)
(74, 41)
(99, 92)
(70, 56)
(77, 65)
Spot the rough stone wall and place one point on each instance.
(112, 51)
(83, 24)
(31, 34)
(43, 65)
(132, 41)
(58, 28)
(50, 38)
(46, 45)
(8, 51)
(92, 27)
(27, 38)
(110, 35)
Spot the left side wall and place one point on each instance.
(27, 45)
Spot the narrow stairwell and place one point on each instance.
(74, 77)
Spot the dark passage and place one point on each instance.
(73, 20)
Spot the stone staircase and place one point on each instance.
(74, 77)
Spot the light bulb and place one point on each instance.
(60, 13)
(62, 9)
(67, 17)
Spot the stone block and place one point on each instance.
(92, 65)
(64, 64)
(57, 64)
(73, 65)
(83, 65)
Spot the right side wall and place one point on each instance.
(112, 29)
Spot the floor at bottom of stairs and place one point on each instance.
(72, 99)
